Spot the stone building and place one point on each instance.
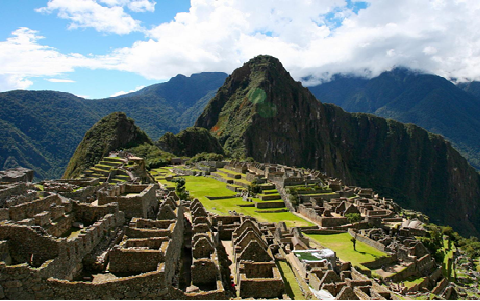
(257, 274)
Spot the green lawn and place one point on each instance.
(291, 285)
(412, 281)
(343, 247)
(200, 187)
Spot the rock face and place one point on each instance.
(189, 142)
(261, 112)
(113, 132)
(19, 174)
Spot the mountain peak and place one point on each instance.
(113, 132)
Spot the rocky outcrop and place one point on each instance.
(19, 174)
(261, 112)
(113, 132)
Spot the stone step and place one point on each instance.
(110, 163)
(273, 191)
(269, 204)
(112, 159)
(102, 167)
(269, 197)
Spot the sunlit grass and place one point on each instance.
(341, 244)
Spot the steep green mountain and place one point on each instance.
(261, 112)
(41, 129)
(426, 100)
(189, 142)
(112, 132)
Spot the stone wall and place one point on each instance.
(28, 210)
(89, 214)
(26, 245)
(6, 191)
(145, 286)
(135, 260)
(139, 201)
(333, 221)
(372, 243)
(379, 262)
(271, 204)
(261, 287)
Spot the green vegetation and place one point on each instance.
(41, 129)
(412, 281)
(291, 285)
(205, 157)
(427, 100)
(113, 132)
(152, 155)
(353, 217)
(306, 189)
(190, 142)
(200, 187)
(341, 244)
(180, 188)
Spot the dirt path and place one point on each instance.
(227, 244)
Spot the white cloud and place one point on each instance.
(123, 92)
(22, 56)
(13, 82)
(90, 13)
(316, 38)
(58, 80)
(437, 36)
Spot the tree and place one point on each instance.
(254, 188)
(353, 217)
(354, 241)
(180, 188)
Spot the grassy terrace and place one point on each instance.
(291, 285)
(200, 187)
(343, 247)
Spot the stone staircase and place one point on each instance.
(103, 169)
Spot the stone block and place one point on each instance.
(12, 284)
(42, 219)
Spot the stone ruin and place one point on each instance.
(52, 246)
(256, 273)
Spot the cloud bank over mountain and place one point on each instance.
(311, 38)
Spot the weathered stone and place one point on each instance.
(12, 284)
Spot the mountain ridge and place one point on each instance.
(276, 120)
(53, 123)
(427, 100)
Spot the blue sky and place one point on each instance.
(100, 48)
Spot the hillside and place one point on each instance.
(40, 129)
(165, 107)
(189, 142)
(261, 112)
(113, 132)
(426, 100)
(43, 128)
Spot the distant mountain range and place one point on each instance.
(41, 129)
(426, 100)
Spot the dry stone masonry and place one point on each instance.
(115, 233)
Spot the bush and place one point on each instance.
(353, 217)
(206, 157)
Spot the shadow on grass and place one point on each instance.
(365, 253)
